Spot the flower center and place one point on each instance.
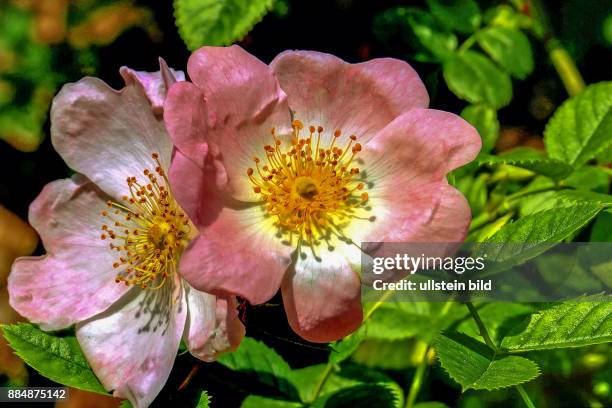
(148, 229)
(311, 189)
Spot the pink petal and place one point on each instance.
(244, 103)
(323, 298)
(358, 99)
(132, 346)
(201, 318)
(75, 280)
(185, 116)
(108, 135)
(237, 254)
(420, 146)
(431, 213)
(155, 84)
(222, 330)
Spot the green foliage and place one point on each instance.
(460, 15)
(255, 358)
(430, 404)
(602, 228)
(509, 48)
(473, 77)
(580, 129)
(256, 401)
(418, 28)
(529, 159)
(57, 357)
(430, 34)
(359, 396)
(400, 320)
(204, 400)
(475, 366)
(584, 321)
(484, 119)
(217, 22)
(537, 232)
(342, 349)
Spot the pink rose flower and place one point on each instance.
(286, 169)
(114, 234)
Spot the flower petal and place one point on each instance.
(420, 146)
(75, 280)
(108, 135)
(244, 102)
(323, 298)
(423, 214)
(155, 84)
(132, 346)
(185, 117)
(237, 254)
(201, 318)
(358, 99)
(212, 326)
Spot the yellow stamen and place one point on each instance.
(152, 231)
(311, 190)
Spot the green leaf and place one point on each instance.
(460, 15)
(506, 16)
(582, 322)
(58, 358)
(498, 317)
(256, 401)
(431, 404)
(125, 404)
(473, 77)
(509, 48)
(342, 349)
(217, 22)
(359, 396)
(582, 127)
(475, 366)
(430, 34)
(484, 119)
(529, 236)
(388, 354)
(204, 401)
(400, 320)
(602, 228)
(255, 358)
(531, 160)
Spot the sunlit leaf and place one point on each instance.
(475, 366)
(484, 119)
(57, 357)
(531, 160)
(473, 77)
(217, 22)
(581, 322)
(460, 15)
(509, 48)
(582, 127)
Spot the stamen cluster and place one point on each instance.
(311, 189)
(148, 230)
